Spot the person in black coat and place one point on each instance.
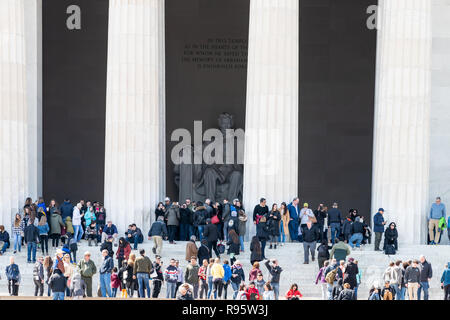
(234, 245)
(350, 273)
(255, 249)
(391, 236)
(204, 253)
(211, 235)
(347, 293)
(262, 232)
(273, 221)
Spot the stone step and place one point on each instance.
(290, 257)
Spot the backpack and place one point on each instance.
(331, 276)
(230, 223)
(323, 252)
(13, 272)
(390, 249)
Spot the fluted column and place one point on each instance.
(13, 111)
(440, 97)
(134, 104)
(271, 122)
(402, 107)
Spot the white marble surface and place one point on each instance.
(440, 103)
(271, 121)
(402, 116)
(135, 100)
(14, 152)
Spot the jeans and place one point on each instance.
(397, 291)
(423, 286)
(58, 295)
(171, 290)
(330, 291)
(276, 289)
(200, 232)
(113, 292)
(134, 241)
(309, 247)
(263, 248)
(17, 242)
(31, 246)
(335, 230)
(401, 294)
(78, 232)
(105, 283)
(235, 287)
(143, 280)
(4, 247)
(184, 232)
(358, 237)
(282, 236)
(355, 291)
(241, 239)
(210, 286)
(293, 229)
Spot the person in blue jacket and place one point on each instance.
(294, 211)
(4, 237)
(378, 227)
(66, 209)
(445, 282)
(226, 279)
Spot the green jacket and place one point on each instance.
(142, 264)
(442, 223)
(191, 274)
(340, 251)
(56, 223)
(87, 269)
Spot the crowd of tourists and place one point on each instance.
(220, 229)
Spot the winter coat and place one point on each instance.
(274, 272)
(158, 229)
(44, 229)
(66, 209)
(445, 278)
(173, 215)
(191, 250)
(185, 216)
(273, 221)
(87, 269)
(262, 231)
(69, 225)
(200, 216)
(237, 274)
(233, 247)
(126, 250)
(255, 256)
(242, 225)
(377, 222)
(391, 235)
(426, 272)
(210, 232)
(203, 253)
(56, 223)
(346, 294)
(57, 282)
(76, 216)
(31, 234)
(77, 285)
(191, 274)
(350, 274)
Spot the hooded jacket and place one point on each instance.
(56, 223)
(77, 285)
(173, 215)
(66, 209)
(391, 235)
(445, 279)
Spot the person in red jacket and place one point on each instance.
(252, 293)
(115, 282)
(293, 293)
(123, 251)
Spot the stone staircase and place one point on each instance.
(290, 257)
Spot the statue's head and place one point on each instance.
(226, 121)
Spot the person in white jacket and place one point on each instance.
(76, 222)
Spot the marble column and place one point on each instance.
(134, 105)
(440, 97)
(271, 122)
(13, 111)
(33, 40)
(402, 114)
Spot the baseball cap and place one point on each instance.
(305, 204)
(381, 209)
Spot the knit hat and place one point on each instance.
(305, 205)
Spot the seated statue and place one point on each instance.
(209, 179)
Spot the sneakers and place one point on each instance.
(275, 247)
(270, 247)
(154, 250)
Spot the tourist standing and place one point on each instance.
(310, 237)
(284, 224)
(242, 228)
(294, 212)
(105, 273)
(378, 227)
(31, 233)
(142, 269)
(17, 231)
(321, 277)
(445, 282)
(191, 249)
(123, 251)
(273, 222)
(43, 234)
(339, 251)
(13, 277)
(260, 210)
(171, 277)
(56, 223)
(87, 270)
(426, 273)
(412, 280)
(173, 221)
(58, 284)
(211, 235)
(76, 222)
(334, 222)
(275, 273)
(159, 279)
(191, 275)
(437, 212)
